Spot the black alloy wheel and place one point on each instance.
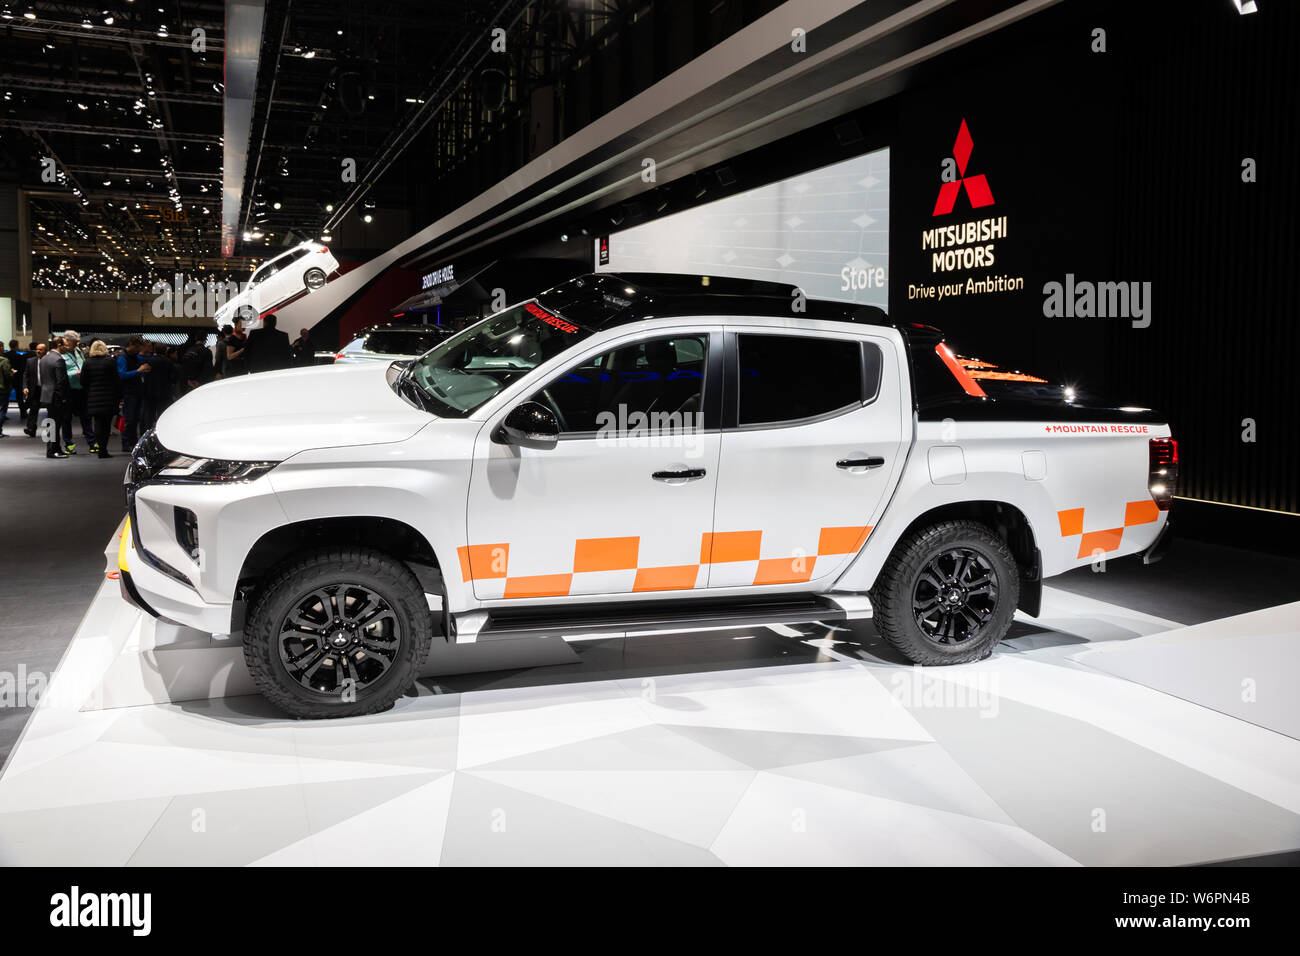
(339, 636)
(955, 596)
(337, 632)
(947, 593)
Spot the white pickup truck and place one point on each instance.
(624, 453)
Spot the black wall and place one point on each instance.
(1127, 166)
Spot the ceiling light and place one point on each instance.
(275, 205)
(30, 14)
(310, 54)
(367, 218)
(108, 19)
(87, 25)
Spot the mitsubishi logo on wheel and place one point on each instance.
(977, 187)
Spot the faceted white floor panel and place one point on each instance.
(1096, 735)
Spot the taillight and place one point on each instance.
(338, 356)
(1162, 477)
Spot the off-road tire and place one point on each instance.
(892, 594)
(322, 568)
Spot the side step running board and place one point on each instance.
(516, 623)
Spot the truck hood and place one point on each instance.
(271, 416)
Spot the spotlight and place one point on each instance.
(29, 14)
(367, 218)
(310, 54)
(87, 25)
(108, 19)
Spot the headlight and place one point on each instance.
(185, 468)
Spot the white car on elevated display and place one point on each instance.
(304, 268)
(624, 453)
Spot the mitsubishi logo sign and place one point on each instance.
(955, 178)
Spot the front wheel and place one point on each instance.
(947, 593)
(338, 632)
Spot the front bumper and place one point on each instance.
(160, 596)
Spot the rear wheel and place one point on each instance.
(313, 278)
(338, 632)
(947, 593)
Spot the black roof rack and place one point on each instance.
(607, 299)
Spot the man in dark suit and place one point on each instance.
(32, 387)
(268, 348)
(18, 363)
(196, 363)
(157, 388)
(56, 396)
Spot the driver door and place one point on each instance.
(622, 502)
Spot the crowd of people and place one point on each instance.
(88, 385)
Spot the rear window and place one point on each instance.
(786, 378)
(394, 342)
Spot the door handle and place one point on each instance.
(849, 464)
(679, 477)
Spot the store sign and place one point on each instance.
(965, 247)
(438, 277)
(604, 251)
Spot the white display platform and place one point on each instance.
(1029, 757)
(1247, 666)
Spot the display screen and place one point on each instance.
(825, 231)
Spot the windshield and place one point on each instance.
(470, 367)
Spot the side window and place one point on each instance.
(785, 378)
(264, 273)
(658, 383)
(292, 257)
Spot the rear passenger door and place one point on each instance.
(813, 433)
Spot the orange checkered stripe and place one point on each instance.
(486, 562)
(1108, 539)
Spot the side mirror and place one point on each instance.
(531, 425)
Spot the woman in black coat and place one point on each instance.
(103, 393)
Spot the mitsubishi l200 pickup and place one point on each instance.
(624, 453)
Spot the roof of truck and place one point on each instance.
(607, 299)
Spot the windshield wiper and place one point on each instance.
(410, 390)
